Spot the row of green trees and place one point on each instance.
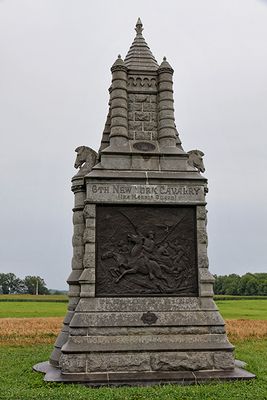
(11, 284)
(245, 285)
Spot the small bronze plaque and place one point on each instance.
(144, 146)
(149, 318)
(146, 251)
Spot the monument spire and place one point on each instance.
(139, 26)
(139, 55)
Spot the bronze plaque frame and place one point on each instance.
(144, 250)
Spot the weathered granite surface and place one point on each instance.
(141, 307)
(142, 378)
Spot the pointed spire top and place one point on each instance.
(119, 63)
(139, 27)
(165, 65)
(139, 56)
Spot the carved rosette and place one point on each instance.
(149, 318)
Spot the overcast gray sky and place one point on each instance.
(54, 77)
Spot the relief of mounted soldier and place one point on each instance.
(150, 259)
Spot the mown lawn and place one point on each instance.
(19, 382)
(230, 309)
(33, 297)
(20, 309)
(243, 309)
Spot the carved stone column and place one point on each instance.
(167, 133)
(78, 189)
(206, 279)
(87, 278)
(119, 110)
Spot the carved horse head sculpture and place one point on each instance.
(196, 160)
(85, 160)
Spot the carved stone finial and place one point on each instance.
(139, 26)
(165, 66)
(118, 64)
(85, 160)
(195, 160)
(139, 56)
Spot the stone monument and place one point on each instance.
(141, 307)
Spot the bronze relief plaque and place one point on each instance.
(146, 251)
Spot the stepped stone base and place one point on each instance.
(53, 374)
(145, 341)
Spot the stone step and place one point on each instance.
(148, 378)
(88, 344)
(146, 361)
(113, 319)
(146, 330)
(153, 304)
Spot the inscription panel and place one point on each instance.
(106, 193)
(146, 251)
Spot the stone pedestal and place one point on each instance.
(146, 293)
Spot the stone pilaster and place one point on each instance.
(206, 279)
(167, 133)
(87, 278)
(78, 188)
(119, 109)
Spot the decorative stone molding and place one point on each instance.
(140, 83)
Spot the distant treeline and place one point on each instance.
(245, 285)
(11, 284)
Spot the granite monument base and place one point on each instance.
(145, 341)
(53, 374)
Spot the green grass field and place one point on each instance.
(32, 297)
(230, 309)
(243, 309)
(21, 309)
(19, 382)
